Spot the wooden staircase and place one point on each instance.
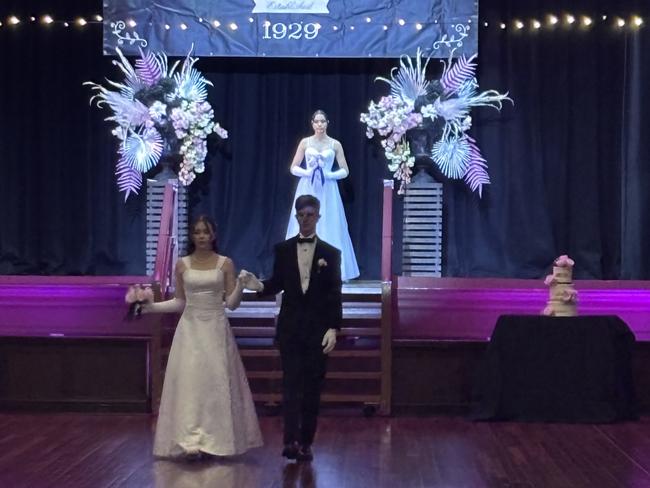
(358, 369)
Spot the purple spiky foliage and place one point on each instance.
(129, 180)
(149, 68)
(457, 73)
(476, 175)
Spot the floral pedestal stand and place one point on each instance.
(155, 191)
(422, 221)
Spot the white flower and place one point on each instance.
(158, 110)
(467, 123)
(429, 111)
(120, 132)
(220, 131)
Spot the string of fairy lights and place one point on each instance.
(546, 22)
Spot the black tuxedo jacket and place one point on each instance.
(308, 315)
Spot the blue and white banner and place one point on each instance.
(293, 28)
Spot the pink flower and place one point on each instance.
(138, 294)
(549, 280)
(130, 295)
(569, 296)
(564, 261)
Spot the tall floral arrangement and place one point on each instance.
(158, 111)
(440, 107)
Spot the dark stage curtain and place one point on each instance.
(568, 161)
(61, 213)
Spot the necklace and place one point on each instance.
(196, 259)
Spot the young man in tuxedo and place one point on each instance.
(308, 271)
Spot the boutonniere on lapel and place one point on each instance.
(321, 264)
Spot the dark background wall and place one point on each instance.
(569, 161)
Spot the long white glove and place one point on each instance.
(234, 299)
(250, 281)
(174, 305)
(339, 174)
(298, 171)
(329, 341)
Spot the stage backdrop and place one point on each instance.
(292, 28)
(569, 162)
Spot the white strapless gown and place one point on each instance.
(332, 226)
(206, 403)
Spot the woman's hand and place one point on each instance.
(249, 281)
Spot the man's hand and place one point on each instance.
(329, 341)
(249, 281)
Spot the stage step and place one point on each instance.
(336, 353)
(270, 331)
(335, 375)
(269, 310)
(271, 398)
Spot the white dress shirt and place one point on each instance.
(305, 259)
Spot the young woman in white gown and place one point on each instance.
(318, 178)
(206, 405)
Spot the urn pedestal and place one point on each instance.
(422, 221)
(155, 191)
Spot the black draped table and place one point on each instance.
(558, 369)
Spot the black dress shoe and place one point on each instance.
(290, 451)
(305, 454)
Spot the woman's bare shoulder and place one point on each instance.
(180, 265)
(335, 142)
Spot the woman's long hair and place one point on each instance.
(210, 225)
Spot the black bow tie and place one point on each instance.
(303, 240)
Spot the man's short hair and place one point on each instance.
(307, 201)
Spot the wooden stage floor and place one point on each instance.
(114, 450)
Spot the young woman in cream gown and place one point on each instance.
(206, 405)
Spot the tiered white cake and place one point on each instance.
(563, 297)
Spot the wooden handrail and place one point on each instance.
(161, 281)
(162, 273)
(387, 300)
(387, 232)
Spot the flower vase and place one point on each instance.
(421, 142)
(168, 162)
